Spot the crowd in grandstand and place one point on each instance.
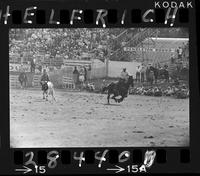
(72, 43)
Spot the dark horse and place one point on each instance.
(160, 74)
(119, 88)
(23, 79)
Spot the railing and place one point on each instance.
(140, 37)
(137, 39)
(14, 82)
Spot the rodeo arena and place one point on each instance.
(99, 87)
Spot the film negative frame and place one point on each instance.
(127, 160)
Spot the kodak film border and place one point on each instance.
(99, 14)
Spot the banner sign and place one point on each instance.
(14, 67)
(149, 49)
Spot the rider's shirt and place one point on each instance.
(124, 75)
(45, 77)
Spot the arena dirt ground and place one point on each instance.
(82, 119)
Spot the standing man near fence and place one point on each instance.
(172, 60)
(138, 70)
(142, 72)
(76, 76)
(32, 65)
(180, 52)
(89, 72)
(85, 73)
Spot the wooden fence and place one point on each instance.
(32, 80)
(36, 81)
(14, 82)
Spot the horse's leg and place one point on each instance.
(155, 78)
(47, 96)
(167, 77)
(21, 84)
(54, 98)
(53, 95)
(25, 84)
(113, 97)
(121, 99)
(108, 98)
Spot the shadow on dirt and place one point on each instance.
(111, 104)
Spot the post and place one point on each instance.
(142, 52)
(22, 59)
(107, 62)
(107, 58)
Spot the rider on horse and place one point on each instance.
(124, 75)
(119, 88)
(44, 80)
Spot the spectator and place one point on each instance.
(81, 71)
(172, 59)
(159, 66)
(138, 70)
(176, 81)
(40, 68)
(147, 73)
(165, 66)
(21, 68)
(151, 76)
(76, 75)
(142, 73)
(85, 73)
(179, 66)
(180, 52)
(32, 65)
(46, 68)
(89, 72)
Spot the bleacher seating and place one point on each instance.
(94, 42)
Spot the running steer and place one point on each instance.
(119, 88)
(47, 88)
